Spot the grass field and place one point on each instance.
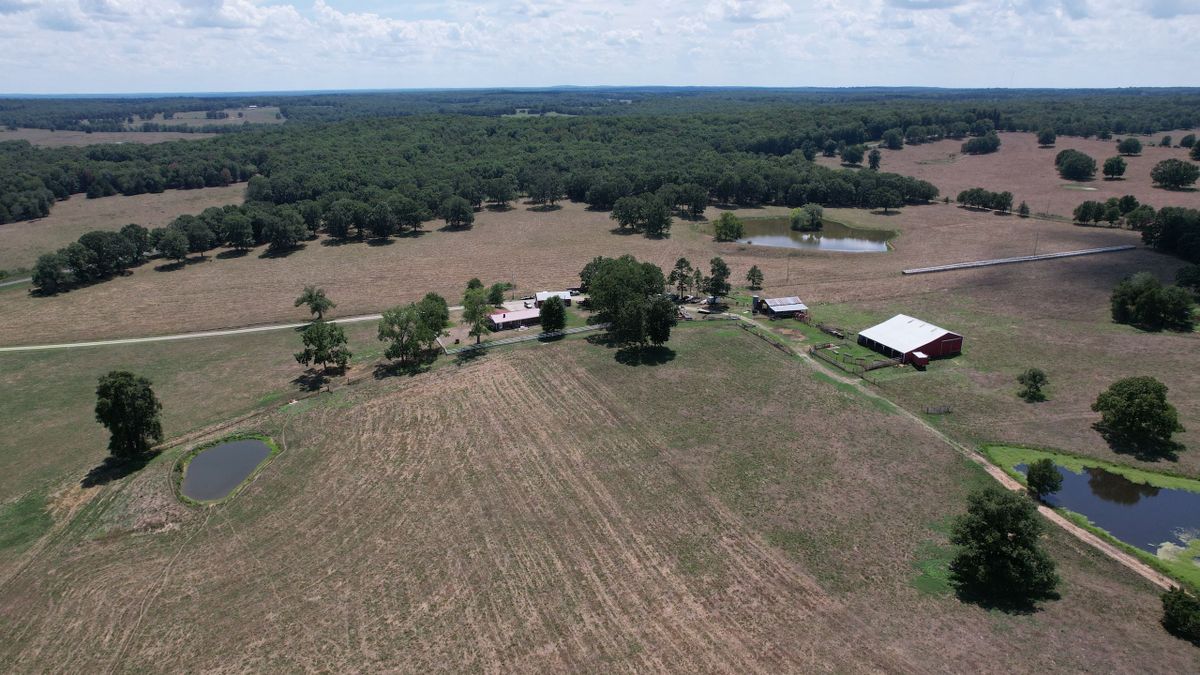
(21, 243)
(196, 118)
(57, 139)
(534, 250)
(1027, 171)
(548, 509)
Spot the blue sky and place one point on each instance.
(99, 46)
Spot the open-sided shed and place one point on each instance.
(778, 308)
(911, 340)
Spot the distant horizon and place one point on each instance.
(118, 47)
(564, 87)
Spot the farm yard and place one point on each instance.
(534, 250)
(1023, 168)
(657, 524)
(738, 491)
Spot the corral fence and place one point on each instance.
(833, 330)
(753, 330)
(855, 365)
(523, 338)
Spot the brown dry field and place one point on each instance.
(1027, 171)
(21, 243)
(57, 139)
(264, 115)
(536, 250)
(549, 509)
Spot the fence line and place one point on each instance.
(524, 338)
(1018, 259)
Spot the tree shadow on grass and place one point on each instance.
(1146, 450)
(380, 241)
(311, 380)
(280, 253)
(339, 241)
(545, 208)
(499, 208)
(624, 231)
(1000, 603)
(113, 468)
(404, 368)
(463, 358)
(233, 253)
(645, 356)
(180, 264)
(410, 234)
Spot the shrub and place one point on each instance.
(1181, 614)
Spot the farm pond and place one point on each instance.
(833, 236)
(216, 471)
(1146, 516)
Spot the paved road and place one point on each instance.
(191, 336)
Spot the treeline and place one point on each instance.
(101, 255)
(32, 179)
(980, 198)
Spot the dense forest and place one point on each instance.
(741, 145)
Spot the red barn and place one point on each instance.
(911, 340)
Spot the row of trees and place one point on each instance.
(630, 296)
(1126, 210)
(980, 198)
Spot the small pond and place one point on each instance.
(832, 237)
(216, 471)
(1138, 514)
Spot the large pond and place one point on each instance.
(832, 236)
(1138, 514)
(216, 471)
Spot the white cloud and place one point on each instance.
(230, 45)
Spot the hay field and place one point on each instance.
(535, 250)
(57, 139)
(196, 118)
(1027, 171)
(550, 509)
(21, 243)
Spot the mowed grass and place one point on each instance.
(21, 243)
(552, 508)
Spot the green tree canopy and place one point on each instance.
(1114, 167)
(1129, 146)
(1175, 174)
(807, 218)
(1181, 614)
(754, 277)
(316, 301)
(1046, 137)
(1043, 478)
(1135, 412)
(717, 283)
(457, 212)
(553, 314)
(681, 276)
(999, 556)
(1074, 165)
(873, 159)
(409, 332)
(476, 310)
(1032, 381)
(324, 346)
(128, 408)
(1142, 300)
(729, 227)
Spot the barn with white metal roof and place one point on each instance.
(911, 340)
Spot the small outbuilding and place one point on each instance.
(911, 340)
(781, 308)
(514, 319)
(542, 296)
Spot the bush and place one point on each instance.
(1129, 146)
(1181, 614)
(1046, 137)
(729, 227)
(1031, 382)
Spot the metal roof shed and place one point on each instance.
(902, 336)
(788, 305)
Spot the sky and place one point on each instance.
(124, 46)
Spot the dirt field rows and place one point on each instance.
(1026, 170)
(552, 509)
(535, 250)
(21, 243)
(57, 139)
